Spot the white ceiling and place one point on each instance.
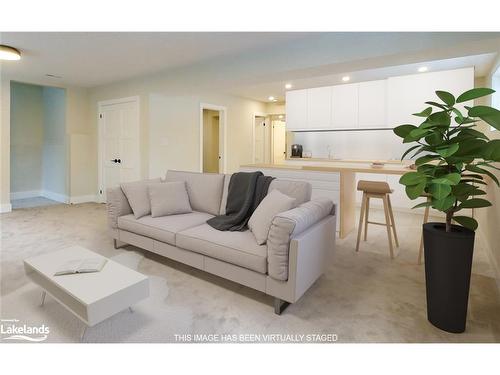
(252, 65)
(91, 59)
(482, 65)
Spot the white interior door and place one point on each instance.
(119, 144)
(260, 140)
(279, 141)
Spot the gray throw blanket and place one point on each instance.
(245, 192)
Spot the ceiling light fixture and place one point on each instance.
(288, 86)
(271, 98)
(423, 69)
(346, 78)
(9, 53)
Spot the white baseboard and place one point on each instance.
(5, 207)
(24, 194)
(491, 257)
(82, 199)
(55, 196)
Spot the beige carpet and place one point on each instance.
(363, 297)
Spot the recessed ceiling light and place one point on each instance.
(280, 116)
(9, 53)
(346, 78)
(271, 98)
(423, 69)
(288, 86)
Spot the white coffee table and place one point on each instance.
(91, 297)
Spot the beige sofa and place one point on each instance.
(294, 257)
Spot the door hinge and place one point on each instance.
(100, 115)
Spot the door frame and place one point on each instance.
(222, 123)
(254, 115)
(272, 137)
(100, 143)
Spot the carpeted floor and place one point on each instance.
(363, 297)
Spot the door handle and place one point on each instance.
(119, 161)
(114, 160)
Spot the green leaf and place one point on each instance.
(418, 133)
(446, 97)
(474, 94)
(466, 221)
(449, 179)
(412, 178)
(440, 191)
(425, 113)
(423, 204)
(441, 119)
(425, 159)
(437, 105)
(492, 150)
(482, 110)
(443, 204)
(403, 130)
(415, 191)
(446, 151)
(474, 168)
(475, 203)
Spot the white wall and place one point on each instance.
(26, 143)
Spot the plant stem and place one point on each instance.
(449, 216)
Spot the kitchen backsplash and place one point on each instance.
(358, 144)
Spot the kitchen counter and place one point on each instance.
(397, 168)
(335, 179)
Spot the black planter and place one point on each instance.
(448, 262)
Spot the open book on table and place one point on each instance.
(81, 266)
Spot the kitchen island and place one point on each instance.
(335, 179)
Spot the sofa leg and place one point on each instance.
(280, 306)
(117, 244)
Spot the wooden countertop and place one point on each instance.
(365, 161)
(337, 166)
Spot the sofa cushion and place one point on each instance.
(239, 248)
(225, 191)
(260, 221)
(204, 189)
(299, 190)
(138, 197)
(288, 224)
(169, 198)
(162, 228)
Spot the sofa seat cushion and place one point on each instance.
(162, 228)
(239, 248)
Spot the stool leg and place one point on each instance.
(360, 226)
(421, 248)
(367, 211)
(392, 220)
(388, 225)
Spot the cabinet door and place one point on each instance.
(319, 108)
(345, 106)
(296, 110)
(373, 104)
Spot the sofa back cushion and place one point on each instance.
(299, 190)
(204, 189)
(138, 196)
(169, 198)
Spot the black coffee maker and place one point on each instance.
(296, 151)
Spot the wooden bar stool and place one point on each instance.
(381, 190)
(426, 219)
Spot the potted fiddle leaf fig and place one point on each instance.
(455, 161)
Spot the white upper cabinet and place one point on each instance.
(345, 106)
(408, 94)
(296, 110)
(319, 108)
(373, 104)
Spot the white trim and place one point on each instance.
(131, 99)
(83, 199)
(55, 196)
(223, 117)
(254, 115)
(5, 207)
(24, 194)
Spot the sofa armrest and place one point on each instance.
(287, 225)
(117, 205)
